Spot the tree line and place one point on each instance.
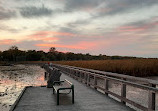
(14, 54)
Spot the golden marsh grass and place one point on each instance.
(133, 67)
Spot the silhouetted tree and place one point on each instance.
(14, 54)
(1, 57)
(32, 55)
(52, 49)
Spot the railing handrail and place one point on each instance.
(124, 81)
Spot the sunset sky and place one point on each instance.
(111, 27)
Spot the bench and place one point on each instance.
(63, 87)
(53, 75)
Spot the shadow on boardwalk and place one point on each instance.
(86, 99)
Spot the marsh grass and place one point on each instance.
(133, 67)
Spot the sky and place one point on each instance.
(110, 27)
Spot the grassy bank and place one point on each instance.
(133, 67)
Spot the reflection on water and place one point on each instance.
(14, 78)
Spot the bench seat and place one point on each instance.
(63, 87)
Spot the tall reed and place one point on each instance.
(133, 67)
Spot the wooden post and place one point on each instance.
(151, 98)
(88, 79)
(95, 82)
(73, 73)
(70, 73)
(80, 74)
(106, 82)
(123, 91)
(85, 77)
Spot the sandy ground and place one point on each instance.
(14, 78)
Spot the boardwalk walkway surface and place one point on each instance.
(86, 99)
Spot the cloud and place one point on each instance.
(79, 23)
(113, 7)
(51, 33)
(43, 38)
(7, 28)
(75, 5)
(33, 11)
(140, 26)
(60, 46)
(6, 14)
(7, 41)
(80, 45)
(68, 30)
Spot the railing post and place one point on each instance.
(70, 72)
(85, 77)
(95, 82)
(123, 91)
(151, 98)
(106, 85)
(73, 74)
(80, 75)
(88, 79)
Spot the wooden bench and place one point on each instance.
(63, 87)
(53, 75)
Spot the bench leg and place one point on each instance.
(57, 97)
(53, 90)
(73, 95)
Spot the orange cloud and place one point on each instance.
(7, 41)
(62, 46)
(51, 33)
(136, 28)
(80, 45)
(131, 29)
(48, 36)
(48, 39)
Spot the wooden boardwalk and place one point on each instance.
(86, 99)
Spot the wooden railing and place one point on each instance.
(91, 78)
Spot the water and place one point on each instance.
(13, 79)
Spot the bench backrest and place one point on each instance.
(54, 75)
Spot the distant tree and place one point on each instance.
(116, 57)
(52, 49)
(41, 55)
(11, 54)
(14, 54)
(13, 48)
(33, 55)
(70, 56)
(51, 56)
(1, 57)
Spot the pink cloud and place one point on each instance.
(44, 38)
(61, 46)
(80, 45)
(52, 33)
(135, 28)
(7, 41)
(131, 28)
